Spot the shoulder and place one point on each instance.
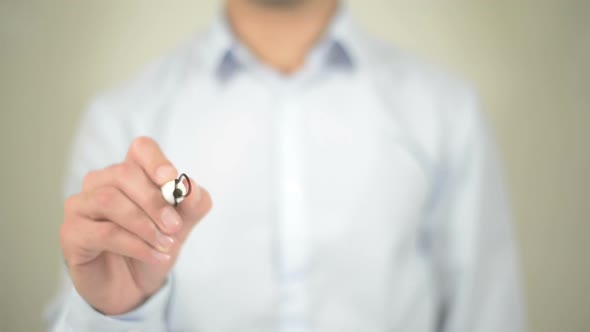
(155, 85)
(414, 76)
(438, 109)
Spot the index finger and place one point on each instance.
(146, 153)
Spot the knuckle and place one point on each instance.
(64, 234)
(122, 171)
(70, 205)
(139, 144)
(89, 178)
(68, 238)
(105, 197)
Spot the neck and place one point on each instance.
(280, 33)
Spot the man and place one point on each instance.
(355, 189)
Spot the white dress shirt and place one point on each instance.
(360, 194)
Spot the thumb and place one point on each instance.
(193, 208)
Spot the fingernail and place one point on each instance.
(171, 219)
(164, 242)
(162, 257)
(165, 173)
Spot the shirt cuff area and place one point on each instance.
(150, 316)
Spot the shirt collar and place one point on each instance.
(225, 55)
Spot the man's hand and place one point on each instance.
(120, 238)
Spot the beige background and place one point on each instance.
(531, 63)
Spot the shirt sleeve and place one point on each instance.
(475, 257)
(77, 315)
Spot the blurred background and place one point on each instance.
(529, 60)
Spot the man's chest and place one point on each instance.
(336, 174)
